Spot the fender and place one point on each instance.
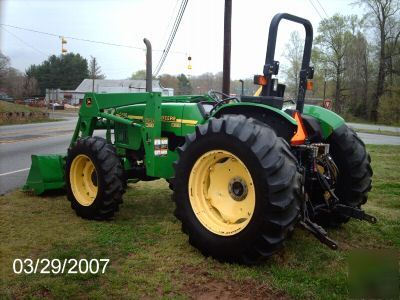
(283, 124)
(328, 120)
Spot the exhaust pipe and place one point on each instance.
(149, 65)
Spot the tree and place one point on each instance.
(384, 15)
(65, 72)
(4, 65)
(294, 55)
(357, 75)
(13, 82)
(95, 69)
(140, 74)
(169, 81)
(184, 86)
(334, 39)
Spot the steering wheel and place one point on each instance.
(216, 96)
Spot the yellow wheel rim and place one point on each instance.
(83, 180)
(221, 192)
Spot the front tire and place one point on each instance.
(236, 189)
(94, 178)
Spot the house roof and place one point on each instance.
(99, 84)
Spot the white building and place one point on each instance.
(104, 86)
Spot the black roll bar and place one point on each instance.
(271, 66)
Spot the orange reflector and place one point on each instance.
(310, 85)
(260, 79)
(300, 137)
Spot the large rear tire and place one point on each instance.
(355, 173)
(94, 178)
(236, 189)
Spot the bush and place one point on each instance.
(389, 108)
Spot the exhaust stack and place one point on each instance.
(149, 66)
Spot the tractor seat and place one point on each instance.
(273, 101)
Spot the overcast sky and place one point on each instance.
(128, 21)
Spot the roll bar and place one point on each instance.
(271, 66)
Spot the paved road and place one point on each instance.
(374, 127)
(378, 139)
(18, 142)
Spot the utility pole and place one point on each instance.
(226, 75)
(93, 72)
(324, 84)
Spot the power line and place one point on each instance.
(25, 43)
(170, 18)
(82, 39)
(74, 38)
(323, 9)
(315, 9)
(171, 37)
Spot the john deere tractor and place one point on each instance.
(244, 171)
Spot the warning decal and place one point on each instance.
(161, 147)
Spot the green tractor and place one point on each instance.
(244, 171)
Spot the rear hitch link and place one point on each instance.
(319, 233)
(345, 210)
(354, 212)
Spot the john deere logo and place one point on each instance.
(88, 101)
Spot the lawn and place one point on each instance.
(151, 258)
(25, 110)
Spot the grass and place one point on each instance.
(12, 107)
(6, 107)
(352, 119)
(151, 258)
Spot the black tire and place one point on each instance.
(110, 178)
(277, 184)
(355, 173)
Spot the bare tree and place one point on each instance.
(294, 54)
(4, 66)
(95, 71)
(385, 18)
(334, 39)
(358, 68)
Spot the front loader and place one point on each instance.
(244, 171)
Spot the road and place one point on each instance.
(374, 127)
(18, 142)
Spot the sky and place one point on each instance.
(127, 22)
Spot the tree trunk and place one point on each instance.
(381, 74)
(338, 100)
(365, 89)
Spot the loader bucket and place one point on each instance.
(46, 173)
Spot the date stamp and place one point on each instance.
(60, 266)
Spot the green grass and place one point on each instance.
(151, 258)
(12, 107)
